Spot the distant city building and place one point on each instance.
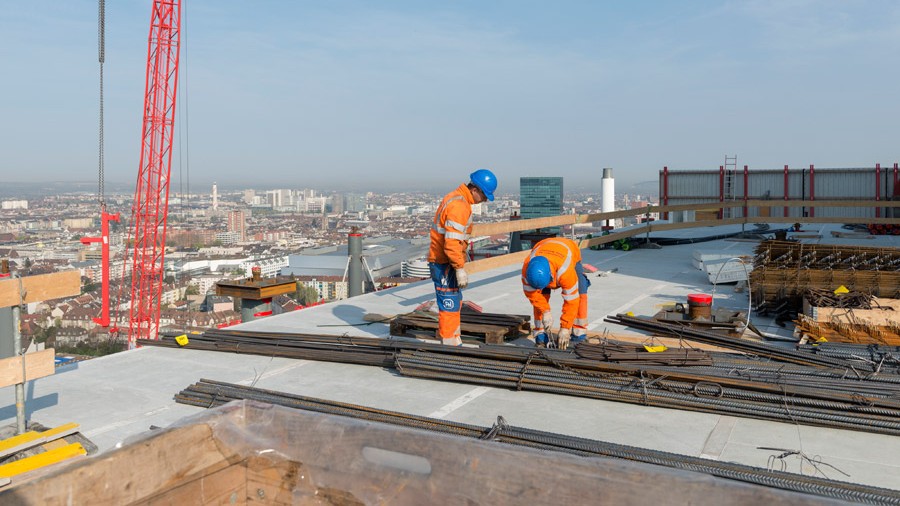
(268, 267)
(249, 196)
(354, 202)
(237, 223)
(8, 205)
(227, 237)
(382, 257)
(215, 197)
(541, 197)
(337, 203)
(416, 268)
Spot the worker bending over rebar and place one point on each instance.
(555, 263)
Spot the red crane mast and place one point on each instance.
(151, 196)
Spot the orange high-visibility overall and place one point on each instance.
(450, 231)
(564, 258)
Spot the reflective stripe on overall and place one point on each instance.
(574, 314)
(449, 299)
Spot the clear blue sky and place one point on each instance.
(379, 95)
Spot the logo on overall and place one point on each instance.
(448, 303)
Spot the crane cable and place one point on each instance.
(101, 54)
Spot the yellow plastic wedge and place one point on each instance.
(32, 438)
(42, 459)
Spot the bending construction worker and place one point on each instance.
(447, 255)
(556, 263)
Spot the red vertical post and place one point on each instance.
(746, 190)
(786, 197)
(812, 188)
(721, 187)
(105, 218)
(877, 188)
(665, 194)
(894, 195)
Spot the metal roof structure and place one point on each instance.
(120, 396)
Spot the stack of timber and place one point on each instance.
(852, 317)
(845, 332)
(492, 328)
(785, 270)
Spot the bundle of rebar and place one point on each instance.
(881, 358)
(208, 393)
(786, 270)
(744, 345)
(847, 397)
(827, 298)
(639, 355)
(792, 405)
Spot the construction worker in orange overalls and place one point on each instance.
(447, 256)
(556, 263)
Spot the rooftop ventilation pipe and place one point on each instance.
(608, 191)
(355, 268)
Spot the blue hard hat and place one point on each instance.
(486, 181)
(538, 272)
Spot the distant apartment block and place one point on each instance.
(9, 205)
(237, 223)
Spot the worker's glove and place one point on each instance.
(462, 279)
(562, 339)
(547, 321)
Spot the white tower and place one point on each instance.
(216, 197)
(608, 192)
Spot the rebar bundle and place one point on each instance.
(207, 393)
(845, 397)
(760, 349)
(660, 391)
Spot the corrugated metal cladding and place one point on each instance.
(693, 186)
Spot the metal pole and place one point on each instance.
(20, 387)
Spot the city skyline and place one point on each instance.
(406, 96)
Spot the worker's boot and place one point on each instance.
(579, 335)
(541, 340)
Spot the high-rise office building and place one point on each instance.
(237, 223)
(540, 197)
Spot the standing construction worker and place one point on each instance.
(447, 255)
(556, 263)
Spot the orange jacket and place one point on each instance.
(562, 254)
(451, 228)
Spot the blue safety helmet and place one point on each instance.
(486, 181)
(538, 272)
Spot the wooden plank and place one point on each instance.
(37, 365)
(486, 264)
(505, 227)
(175, 455)
(225, 486)
(40, 287)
